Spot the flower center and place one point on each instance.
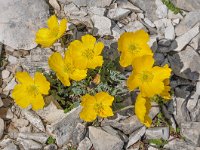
(146, 76)
(88, 53)
(134, 48)
(99, 108)
(54, 32)
(33, 90)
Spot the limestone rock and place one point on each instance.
(29, 144)
(38, 137)
(1, 127)
(118, 13)
(104, 141)
(85, 144)
(157, 133)
(20, 20)
(188, 5)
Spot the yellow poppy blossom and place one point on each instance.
(142, 108)
(86, 53)
(65, 69)
(48, 36)
(133, 45)
(149, 79)
(29, 91)
(98, 105)
(166, 92)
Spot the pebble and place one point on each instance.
(1, 102)
(51, 147)
(161, 10)
(147, 21)
(38, 137)
(1, 127)
(29, 144)
(12, 60)
(5, 74)
(118, 13)
(85, 144)
(157, 133)
(79, 133)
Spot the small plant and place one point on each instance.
(51, 140)
(158, 142)
(172, 7)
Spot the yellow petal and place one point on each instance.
(52, 22)
(56, 62)
(24, 78)
(37, 102)
(143, 63)
(104, 98)
(141, 35)
(44, 37)
(105, 112)
(64, 78)
(62, 27)
(162, 73)
(142, 108)
(133, 82)
(78, 74)
(89, 41)
(124, 41)
(88, 100)
(97, 61)
(42, 84)
(20, 96)
(88, 114)
(98, 48)
(126, 59)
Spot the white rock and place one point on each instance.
(29, 144)
(169, 31)
(147, 21)
(9, 114)
(54, 4)
(10, 85)
(90, 3)
(184, 39)
(157, 133)
(51, 113)
(34, 119)
(12, 60)
(5, 74)
(20, 23)
(127, 5)
(171, 15)
(7, 144)
(175, 21)
(117, 31)
(20, 122)
(161, 10)
(38, 137)
(134, 26)
(136, 136)
(63, 129)
(103, 24)
(195, 42)
(98, 138)
(85, 144)
(79, 133)
(8, 48)
(96, 11)
(1, 102)
(141, 15)
(70, 8)
(1, 127)
(118, 13)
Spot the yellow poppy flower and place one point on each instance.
(29, 91)
(166, 92)
(65, 69)
(133, 45)
(86, 53)
(142, 108)
(48, 36)
(98, 105)
(149, 79)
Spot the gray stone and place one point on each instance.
(5, 74)
(29, 144)
(12, 60)
(96, 11)
(127, 125)
(134, 26)
(191, 132)
(169, 31)
(147, 21)
(38, 58)
(161, 26)
(98, 138)
(195, 42)
(192, 102)
(164, 42)
(51, 113)
(157, 133)
(136, 136)
(51, 147)
(54, 4)
(181, 114)
(34, 119)
(19, 123)
(186, 64)
(63, 129)
(149, 7)
(10, 85)
(191, 19)
(117, 31)
(38, 137)
(85, 144)
(69, 9)
(1, 102)
(89, 3)
(127, 5)
(184, 39)
(7, 144)
(1, 127)
(102, 24)
(79, 133)
(159, 58)
(9, 114)
(118, 13)
(19, 25)
(161, 10)
(179, 144)
(189, 5)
